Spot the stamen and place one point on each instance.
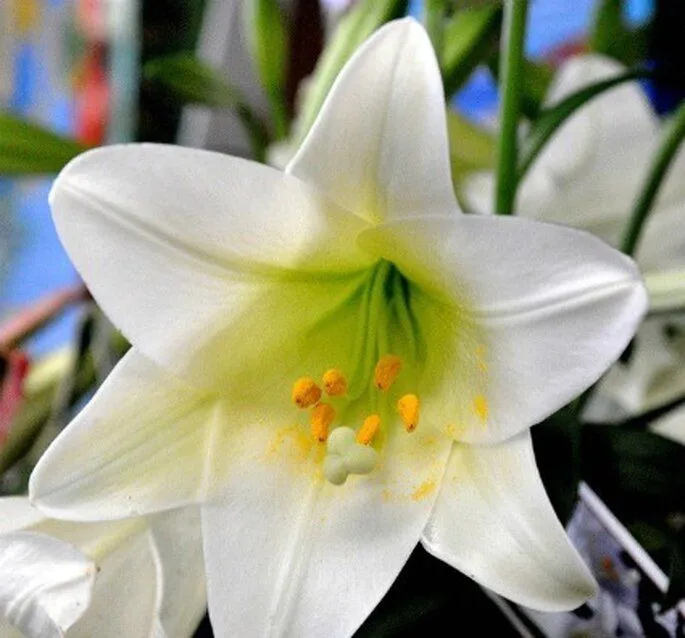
(368, 430)
(387, 369)
(408, 407)
(321, 418)
(306, 393)
(334, 383)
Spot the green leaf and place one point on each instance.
(608, 31)
(676, 576)
(27, 148)
(356, 26)
(267, 33)
(634, 470)
(659, 166)
(191, 81)
(557, 444)
(537, 77)
(610, 34)
(471, 147)
(552, 118)
(468, 37)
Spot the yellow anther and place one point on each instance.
(368, 429)
(321, 418)
(306, 393)
(408, 407)
(480, 407)
(334, 383)
(387, 369)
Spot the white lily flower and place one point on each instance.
(140, 578)
(239, 284)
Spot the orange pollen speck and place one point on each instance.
(306, 393)
(408, 407)
(321, 418)
(369, 428)
(387, 369)
(334, 383)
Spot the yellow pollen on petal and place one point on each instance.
(305, 392)
(481, 352)
(368, 430)
(408, 407)
(334, 383)
(480, 407)
(321, 418)
(387, 369)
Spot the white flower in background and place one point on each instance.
(139, 578)
(333, 360)
(591, 172)
(589, 176)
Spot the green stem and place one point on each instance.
(256, 132)
(279, 112)
(511, 74)
(661, 162)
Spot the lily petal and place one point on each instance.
(197, 258)
(310, 558)
(127, 593)
(143, 443)
(551, 308)
(183, 572)
(383, 153)
(494, 522)
(18, 514)
(45, 583)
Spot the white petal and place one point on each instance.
(590, 172)
(549, 308)
(45, 583)
(600, 133)
(148, 441)
(662, 246)
(184, 248)
(379, 146)
(493, 521)
(9, 631)
(290, 555)
(671, 426)
(143, 443)
(127, 593)
(178, 539)
(16, 513)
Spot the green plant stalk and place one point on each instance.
(661, 162)
(511, 74)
